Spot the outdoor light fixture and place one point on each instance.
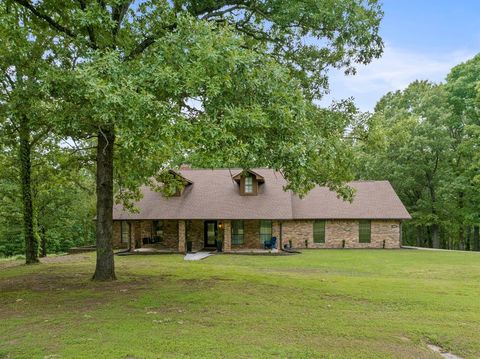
(220, 225)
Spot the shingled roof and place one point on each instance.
(215, 195)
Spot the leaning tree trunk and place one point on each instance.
(31, 244)
(105, 268)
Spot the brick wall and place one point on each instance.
(170, 234)
(195, 233)
(337, 231)
(297, 231)
(227, 236)
(117, 235)
(251, 235)
(388, 231)
(143, 229)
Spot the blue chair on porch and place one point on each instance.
(270, 244)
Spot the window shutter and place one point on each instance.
(319, 231)
(364, 231)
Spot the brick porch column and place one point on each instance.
(133, 231)
(181, 236)
(227, 236)
(276, 232)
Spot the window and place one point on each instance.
(265, 230)
(157, 231)
(248, 184)
(364, 231)
(319, 231)
(237, 232)
(125, 232)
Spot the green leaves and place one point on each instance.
(429, 144)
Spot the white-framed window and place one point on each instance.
(237, 232)
(125, 232)
(248, 184)
(265, 230)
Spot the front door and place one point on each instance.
(210, 230)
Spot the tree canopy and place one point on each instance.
(158, 83)
(429, 141)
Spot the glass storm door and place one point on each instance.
(210, 233)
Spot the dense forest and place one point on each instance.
(215, 85)
(427, 141)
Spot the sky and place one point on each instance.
(423, 40)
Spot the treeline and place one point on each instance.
(426, 141)
(62, 197)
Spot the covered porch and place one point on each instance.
(238, 236)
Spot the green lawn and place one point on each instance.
(321, 303)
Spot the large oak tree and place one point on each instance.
(210, 82)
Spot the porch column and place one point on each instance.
(181, 236)
(276, 232)
(227, 236)
(133, 233)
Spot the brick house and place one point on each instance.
(245, 208)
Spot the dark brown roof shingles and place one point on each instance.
(214, 195)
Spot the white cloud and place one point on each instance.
(393, 71)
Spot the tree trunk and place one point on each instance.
(435, 236)
(461, 238)
(31, 244)
(105, 267)
(476, 237)
(468, 239)
(43, 243)
(419, 237)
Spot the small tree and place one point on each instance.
(23, 60)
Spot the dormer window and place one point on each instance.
(248, 184)
(172, 183)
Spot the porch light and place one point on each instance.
(220, 225)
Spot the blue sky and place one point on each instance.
(423, 40)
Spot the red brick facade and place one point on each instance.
(338, 234)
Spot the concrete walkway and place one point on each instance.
(197, 256)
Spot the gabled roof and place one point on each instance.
(178, 174)
(258, 177)
(216, 196)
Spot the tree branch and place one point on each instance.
(40, 136)
(220, 12)
(118, 13)
(141, 47)
(203, 13)
(28, 5)
(91, 33)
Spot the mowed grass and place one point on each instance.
(321, 303)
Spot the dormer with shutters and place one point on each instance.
(248, 182)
